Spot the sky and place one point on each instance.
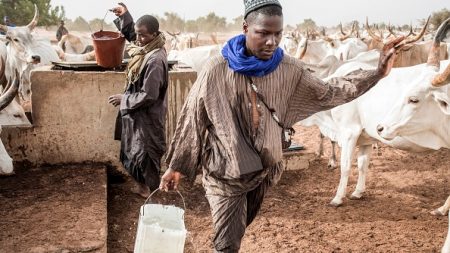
(323, 12)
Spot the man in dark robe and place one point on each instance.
(62, 30)
(140, 124)
(231, 123)
(7, 22)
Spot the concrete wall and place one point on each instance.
(72, 120)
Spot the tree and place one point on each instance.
(98, 24)
(172, 22)
(438, 17)
(405, 27)
(80, 24)
(21, 12)
(212, 22)
(289, 28)
(307, 24)
(236, 25)
(192, 26)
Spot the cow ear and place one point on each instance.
(443, 101)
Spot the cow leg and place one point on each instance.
(443, 209)
(446, 247)
(6, 162)
(363, 164)
(320, 151)
(347, 149)
(332, 164)
(377, 147)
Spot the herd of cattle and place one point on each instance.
(409, 109)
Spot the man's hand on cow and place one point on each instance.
(119, 10)
(170, 180)
(388, 54)
(115, 99)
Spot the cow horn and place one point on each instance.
(2, 68)
(381, 33)
(442, 79)
(34, 22)
(301, 54)
(348, 35)
(342, 31)
(391, 31)
(2, 72)
(345, 37)
(417, 37)
(434, 57)
(304, 49)
(411, 32)
(171, 34)
(375, 37)
(355, 28)
(10, 94)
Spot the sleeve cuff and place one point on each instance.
(126, 19)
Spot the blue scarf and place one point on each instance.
(234, 53)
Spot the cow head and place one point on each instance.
(417, 108)
(183, 41)
(425, 106)
(20, 51)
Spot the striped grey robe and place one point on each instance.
(214, 131)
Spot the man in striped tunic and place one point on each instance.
(227, 129)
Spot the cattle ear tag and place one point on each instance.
(442, 100)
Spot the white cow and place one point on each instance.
(182, 41)
(195, 57)
(316, 51)
(407, 94)
(330, 64)
(64, 56)
(73, 44)
(357, 123)
(369, 60)
(25, 51)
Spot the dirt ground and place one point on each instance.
(402, 188)
(57, 209)
(394, 215)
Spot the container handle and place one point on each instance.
(151, 194)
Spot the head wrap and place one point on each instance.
(234, 53)
(253, 5)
